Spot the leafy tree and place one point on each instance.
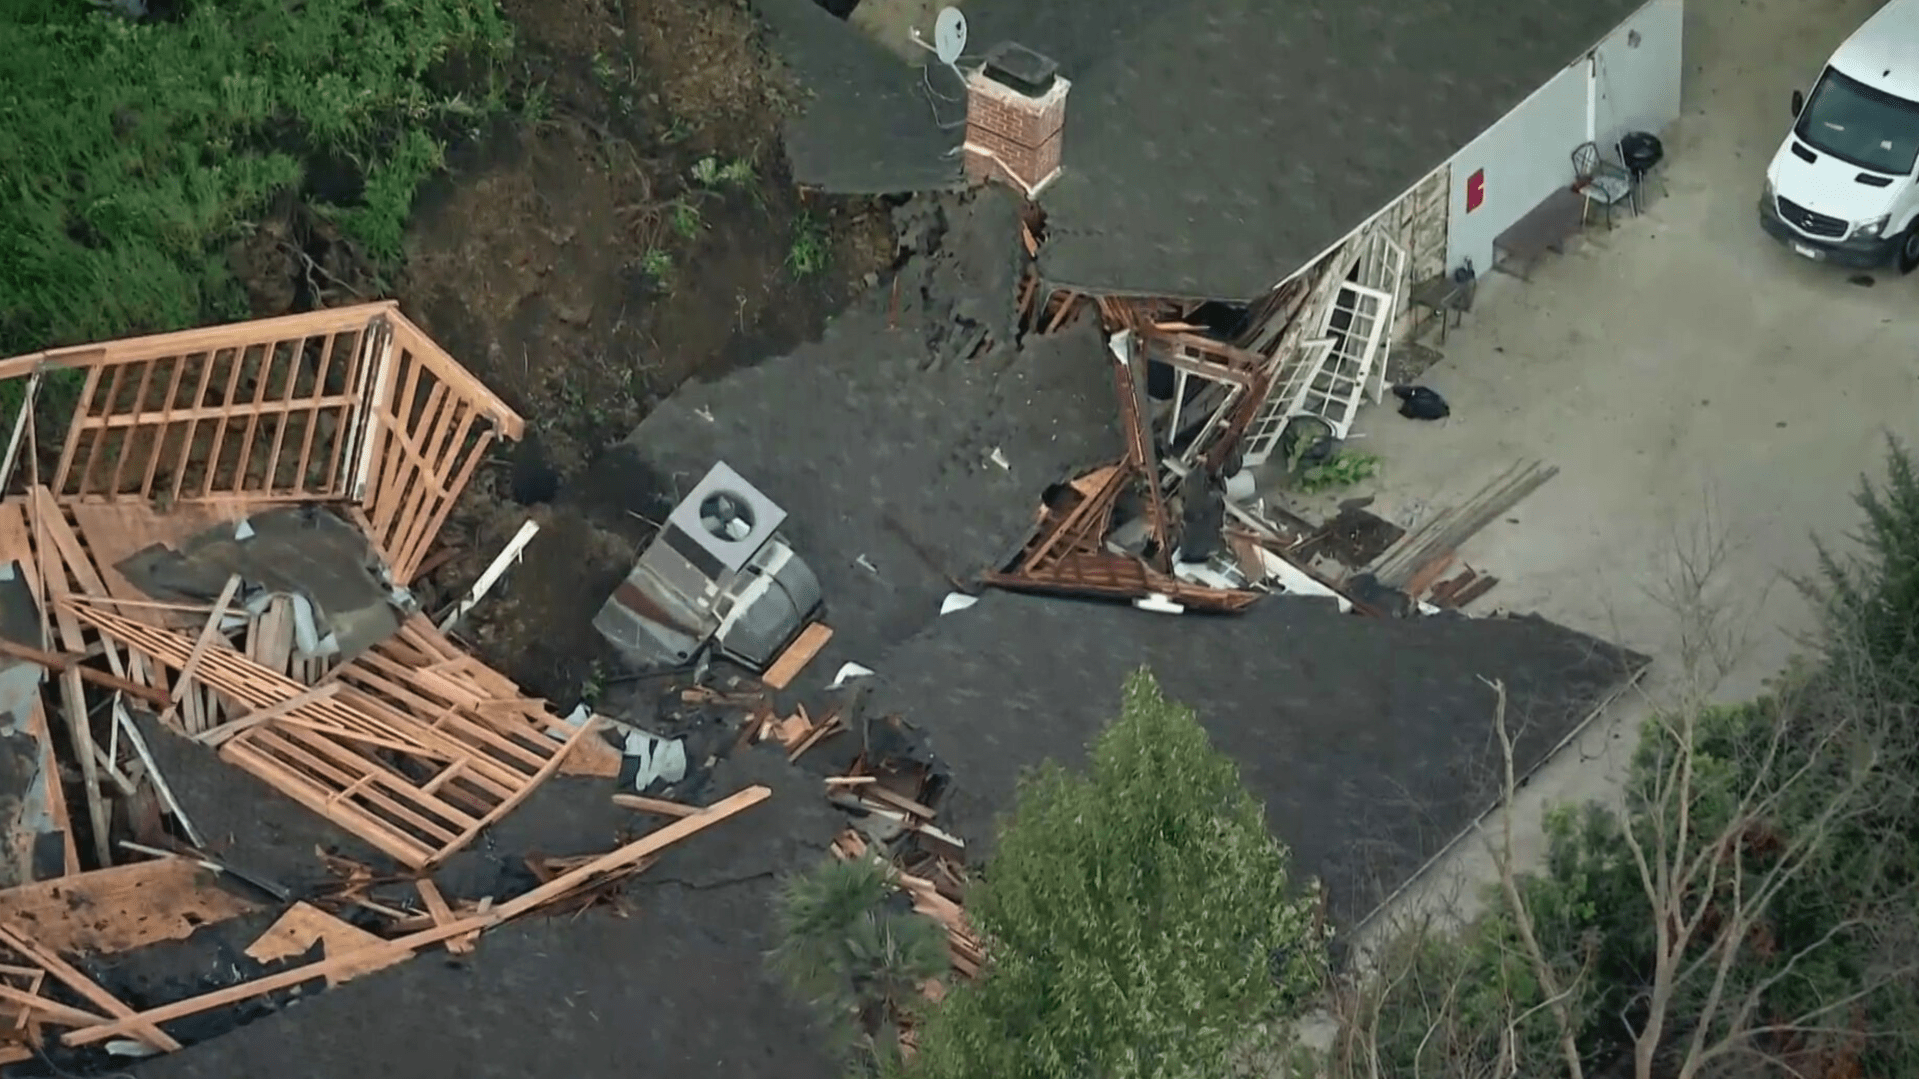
(1139, 920)
(855, 951)
(1871, 597)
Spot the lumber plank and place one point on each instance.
(207, 634)
(898, 801)
(436, 906)
(14, 937)
(261, 716)
(42, 734)
(634, 851)
(16, 543)
(202, 339)
(797, 655)
(47, 513)
(73, 703)
(63, 1014)
(59, 662)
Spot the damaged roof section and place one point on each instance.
(908, 446)
(1211, 147)
(1367, 739)
(275, 484)
(867, 125)
(208, 571)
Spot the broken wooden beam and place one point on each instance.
(1479, 587)
(58, 662)
(898, 801)
(126, 1021)
(205, 641)
(634, 851)
(797, 655)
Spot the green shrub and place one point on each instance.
(854, 959)
(132, 153)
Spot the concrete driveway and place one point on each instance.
(1691, 378)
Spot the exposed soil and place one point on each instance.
(1353, 538)
(631, 227)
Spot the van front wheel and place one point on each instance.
(1909, 249)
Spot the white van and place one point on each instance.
(1844, 186)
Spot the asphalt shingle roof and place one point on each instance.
(1370, 740)
(1213, 147)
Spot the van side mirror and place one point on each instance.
(1798, 102)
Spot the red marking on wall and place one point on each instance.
(1475, 190)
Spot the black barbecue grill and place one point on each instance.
(1640, 152)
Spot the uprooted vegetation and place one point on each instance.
(140, 143)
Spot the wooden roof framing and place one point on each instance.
(349, 404)
(409, 753)
(414, 745)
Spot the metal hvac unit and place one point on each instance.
(718, 572)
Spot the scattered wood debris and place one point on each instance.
(1068, 554)
(359, 956)
(827, 728)
(1416, 564)
(408, 742)
(967, 953)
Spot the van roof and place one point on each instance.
(1884, 52)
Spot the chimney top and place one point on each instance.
(1014, 65)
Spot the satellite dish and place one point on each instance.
(949, 35)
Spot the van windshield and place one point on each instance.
(1855, 123)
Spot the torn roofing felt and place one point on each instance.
(1369, 740)
(867, 126)
(883, 453)
(1214, 147)
(304, 550)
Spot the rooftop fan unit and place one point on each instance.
(719, 572)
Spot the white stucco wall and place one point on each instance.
(1636, 73)
(1628, 82)
(1526, 156)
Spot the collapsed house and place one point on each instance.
(1020, 524)
(217, 546)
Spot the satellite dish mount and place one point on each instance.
(949, 44)
(949, 37)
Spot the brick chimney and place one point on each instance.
(1015, 117)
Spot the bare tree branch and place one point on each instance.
(1522, 917)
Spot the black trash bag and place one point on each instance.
(1421, 403)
